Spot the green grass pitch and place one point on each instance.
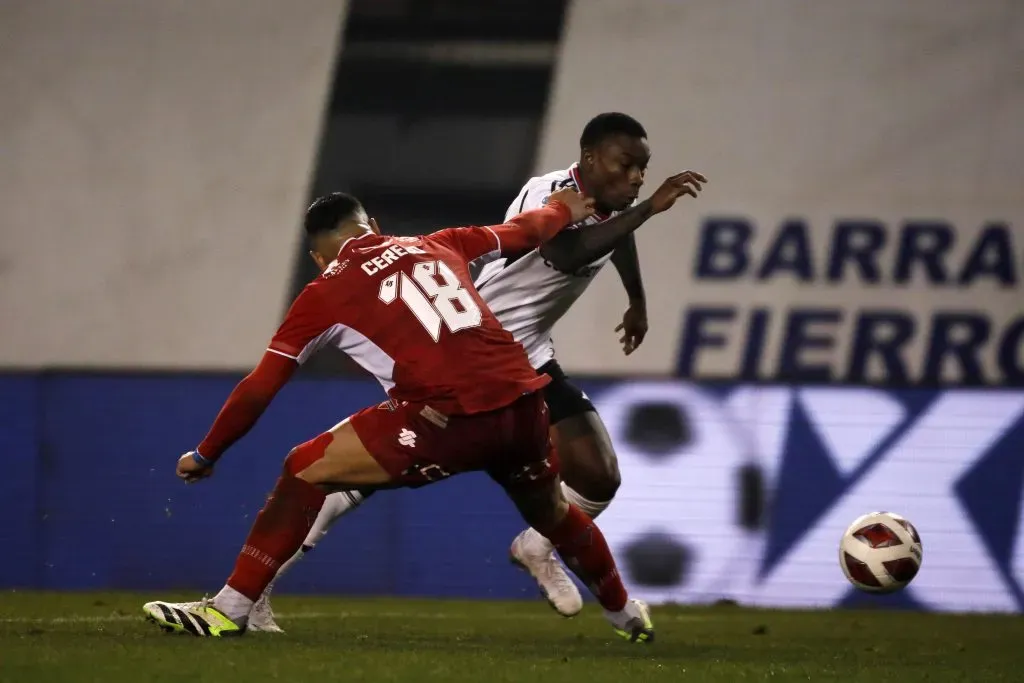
(80, 637)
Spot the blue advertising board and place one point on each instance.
(729, 492)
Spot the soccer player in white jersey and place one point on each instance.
(528, 293)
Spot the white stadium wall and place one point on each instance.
(156, 160)
(827, 130)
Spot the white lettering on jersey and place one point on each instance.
(432, 302)
(387, 257)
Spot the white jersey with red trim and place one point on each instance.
(527, 294)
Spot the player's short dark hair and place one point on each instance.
(327, 212)
(610, 123)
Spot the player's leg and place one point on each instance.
(336, 505)
(334, 459)
(261, 616)
(590, 474)
(527, 467)
(590, 470)
(582, 545)
(590, 477)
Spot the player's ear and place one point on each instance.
(374, 226)
(318, 260)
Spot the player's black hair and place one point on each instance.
(324, 214)
(608, 124)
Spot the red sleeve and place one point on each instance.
(246, 404)
(530, 229)
(524, 232)
(307, 320)
(296, 339)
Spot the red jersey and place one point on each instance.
(405, 309)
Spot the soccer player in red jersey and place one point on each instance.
(528, 294)
(463, 397)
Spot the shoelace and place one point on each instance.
(202, 604)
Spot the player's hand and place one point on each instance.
(192, 471)
(580, 206)
(687, 182)
(633, 328)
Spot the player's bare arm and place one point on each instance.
(573, 249)
(634, 321)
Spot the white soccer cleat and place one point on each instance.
(633, 623)
(261, 618)
(532, 553)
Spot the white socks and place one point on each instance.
(591, 507)
(233, 604)
(335, 505)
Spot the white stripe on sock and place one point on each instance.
(591, 507)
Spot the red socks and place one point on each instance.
(276, 535)
(292, 508)
(584, 550)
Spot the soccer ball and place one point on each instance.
(880, 552)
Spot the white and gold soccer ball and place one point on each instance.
(880, 552)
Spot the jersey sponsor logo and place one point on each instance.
(407, 438)
(582, 272)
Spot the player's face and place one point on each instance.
(615, 170)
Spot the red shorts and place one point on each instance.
(417, 445)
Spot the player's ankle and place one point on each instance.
(233, 604)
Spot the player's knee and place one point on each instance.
(598, 479)
(607, 483)
(300, 458)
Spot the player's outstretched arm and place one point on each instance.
(300, 334)
(573, 249)
(530, 229)
(521, 233)
(247, 402)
